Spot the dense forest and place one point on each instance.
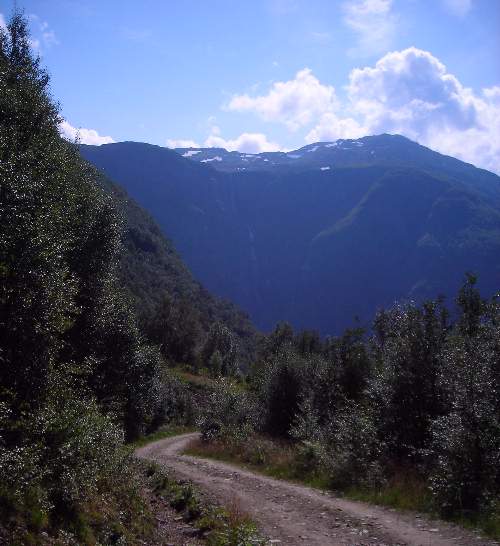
(97, 312)
(94, 304)
(415, 399)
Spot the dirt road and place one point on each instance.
(290, 514)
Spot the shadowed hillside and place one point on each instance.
(323, 234)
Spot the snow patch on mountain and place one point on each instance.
(216, 158)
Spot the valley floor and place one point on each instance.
(292, 514)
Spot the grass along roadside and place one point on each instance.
(202, 379)
(160, 434)
(285, 461)
(216, 525)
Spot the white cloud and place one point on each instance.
(48, 35)
(459, 8)
(332, 127)
(3, 23)
(250, 143)
(180, 143)
(44, 37)
(374, 24)
(411, 92)
(82, 135)
(295, 102)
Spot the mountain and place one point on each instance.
(323, 234)
(151, 270)
(389, 150)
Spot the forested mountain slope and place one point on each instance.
(155, 276)
(328, 233)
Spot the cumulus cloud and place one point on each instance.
(459, 8)
(333, 127)
(295, 102)
(250, 143)
(479, 143)
(82, 135)
(180, 143)
(374, 24)
(411, 92)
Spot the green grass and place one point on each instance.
(282, 460)
(202, 380)
(274, 459)
(489, 524)
(401, 492)
(168, 432)
(220, 526)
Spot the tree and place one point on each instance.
(175, 327)
(404, 388)
(73, 365)
(221, 340)
(466, 438)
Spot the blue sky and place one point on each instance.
(275, 74)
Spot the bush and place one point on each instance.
(354, 451)
(466, 441)
(230, 414)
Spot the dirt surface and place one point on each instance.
(170, 530)
(291, 514)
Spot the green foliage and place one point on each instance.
(176, 328)
(403, 389)
(466, 440)
(419, 397)
(355, 450)
(229, 414)
(280, 385)
(220, 526)
(220, 352)
(215, 364)
(75, 373)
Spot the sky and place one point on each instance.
(267, 75)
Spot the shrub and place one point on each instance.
(354, 451)
(466, 441)
(230, 414)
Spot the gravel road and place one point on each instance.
(291, 514)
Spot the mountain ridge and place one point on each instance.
(406, 221)
(233, 160)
